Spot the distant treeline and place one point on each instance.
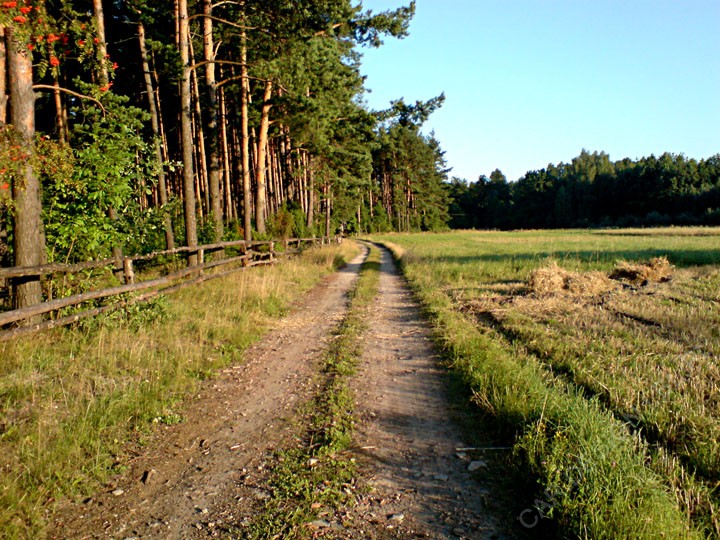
(593, 191)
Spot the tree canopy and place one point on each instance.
(592, 190)
(155, 123)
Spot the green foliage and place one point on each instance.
(594, 191)
(109, 167)
(282, 224)
(410, 169)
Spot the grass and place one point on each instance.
(610, 396)
(73, 401)
(313, 479)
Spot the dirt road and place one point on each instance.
(195, 478)
(425, 480)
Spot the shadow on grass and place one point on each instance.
(678, 257)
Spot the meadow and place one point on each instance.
(595, 353)
(76, 402)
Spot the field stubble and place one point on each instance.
(598, 351)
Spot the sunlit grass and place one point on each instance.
(72, 398)
(636, 366)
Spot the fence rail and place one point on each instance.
(251, 254)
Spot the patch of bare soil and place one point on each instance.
(198, 476)
(424, 480)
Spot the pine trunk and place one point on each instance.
(29, 241)
(244, 102)
(230, 212)
(328, 207)
(3, 77)
(310, 196)
(201, 185)
(186, 132)
(214, 172)
(261, 165)
(60, 113)
(155, 123)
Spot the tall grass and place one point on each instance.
(73, 399)
(576, 383)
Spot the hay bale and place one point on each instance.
(590, 284)
(657, 270)
(547, 280)
(555, 280)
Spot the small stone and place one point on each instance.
(312, 462)
(441, 477)
(475, 465)
(319, 524)
(396, 517)
(118, 492)
(461, 455)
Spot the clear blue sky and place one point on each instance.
(532, 82)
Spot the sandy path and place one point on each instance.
(421, 483)
(185, 481)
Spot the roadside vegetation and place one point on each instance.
(596, 353)
(75, 401)
(309, 482)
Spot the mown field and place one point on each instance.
(596, 353)
(76, 402)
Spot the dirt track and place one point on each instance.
(196, 477)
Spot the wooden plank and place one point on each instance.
(59, 268)
(16, 315)
(53, 268)
(64, 321)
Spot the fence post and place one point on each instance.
(272, 251)
(128, 272)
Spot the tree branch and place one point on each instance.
(223, 21)
(238, 77)
(72, 93)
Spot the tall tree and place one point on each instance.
(157, 137)
(191, 239)
(29, 244)
(261, 165)
(214, 171)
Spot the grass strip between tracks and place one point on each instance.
(309, 482)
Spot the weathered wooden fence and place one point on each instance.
(235, 256)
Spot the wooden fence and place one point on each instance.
(236, 255)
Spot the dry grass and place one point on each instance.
(553, 280)
(72, 398)
(657, 270)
